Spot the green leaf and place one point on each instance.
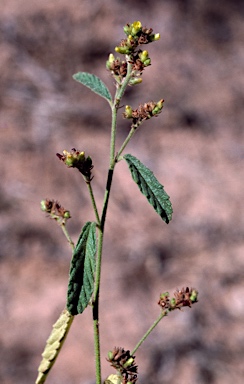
(54, 345)
(150, 187)
(82, 268)
(94, 83)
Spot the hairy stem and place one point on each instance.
(68, 236)
(93, 202)
(117, 99)
(131, 133)
(162, 314)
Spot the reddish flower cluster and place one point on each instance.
(124, 363)
(55, 210)
(77, 159)
(184, 297)
(143, 112)
(136, 36)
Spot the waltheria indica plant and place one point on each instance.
(85, 266)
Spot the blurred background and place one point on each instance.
(195, 148)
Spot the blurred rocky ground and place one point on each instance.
(195, 148)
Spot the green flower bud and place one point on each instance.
(156, 36)
(147, 62)
(136, 28)
(164, 295)
(67, 215)
(123, 50)
(110, 61)
(194, 295)
(88, 162)
(158, 107)
(127, 29)
(172, 302)
(72, 158)
(43, 205)
(128, 112)
(136, 80)
(77, 159)
(130, 40)
(110, 355)
(143, 56)
(129, 362)
(111, 58)
(145, 59)
(55, 210)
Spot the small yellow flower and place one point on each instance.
(136, 27)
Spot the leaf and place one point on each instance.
(150, 187)
(82, 268)
(94, 83)
(53, 345)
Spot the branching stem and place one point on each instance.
(117, 99)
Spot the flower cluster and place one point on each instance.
(124, 363)
(77, 159)
(136, 36)
(55, 210)
(184, 297)
(144, 112)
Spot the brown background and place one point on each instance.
(195, 148)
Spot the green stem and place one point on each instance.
(118, 96)
(95, 308)
(67, 236)
(93, 202)
(162, 314)
(131, 133)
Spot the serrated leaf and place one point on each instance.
(53, 345)
(150, 187)
(82, 268)
(94, 83)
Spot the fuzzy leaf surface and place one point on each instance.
(82, 269)
(53, 345)
(94, 83)
(150, 187)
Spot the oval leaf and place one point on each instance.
(94, 83)
(150, 187)
(82, 268)
(53, 345)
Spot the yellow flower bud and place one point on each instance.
(156, 36)
(128, 112)
(111, 58)
(136, 27)
(145, 59)
(123, 50)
